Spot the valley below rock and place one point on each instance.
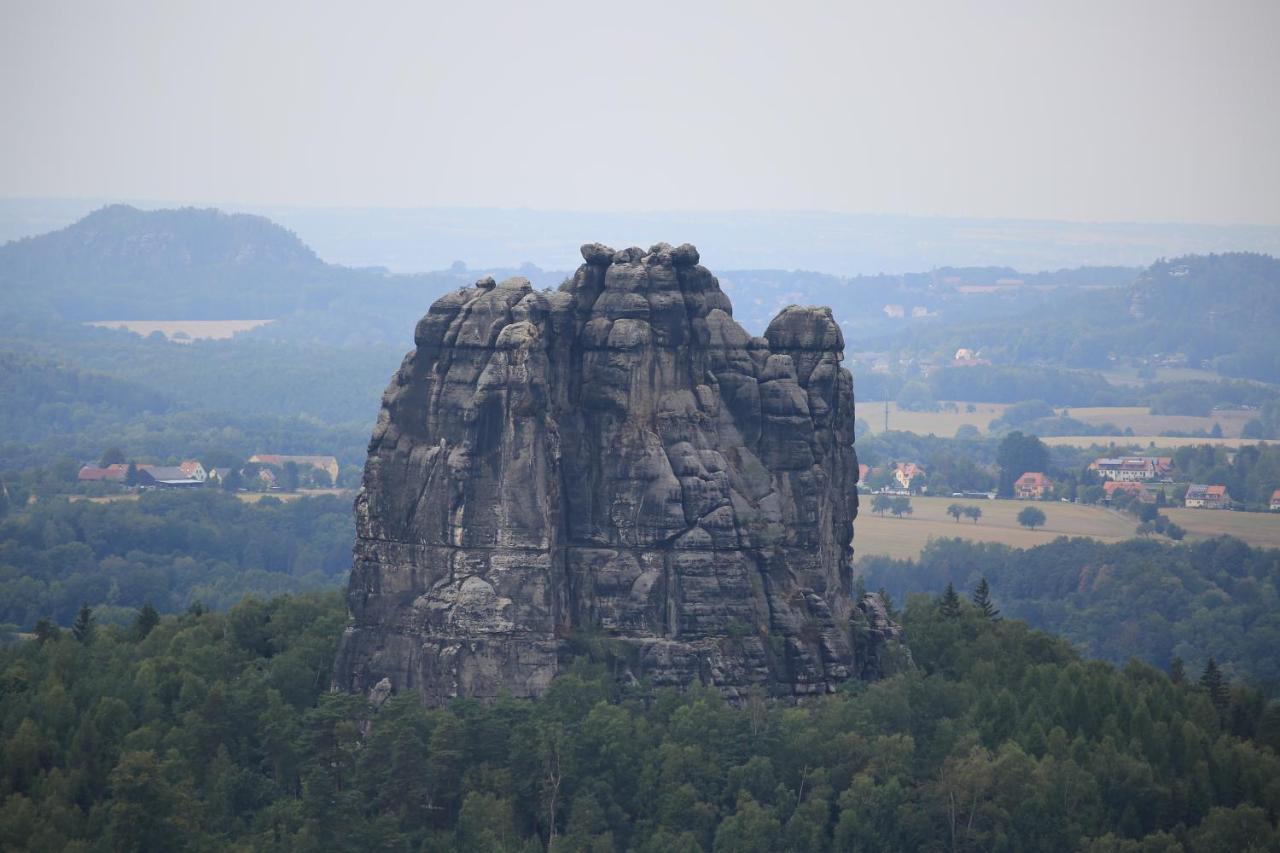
(617, 459)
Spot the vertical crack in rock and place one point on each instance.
(618, 457)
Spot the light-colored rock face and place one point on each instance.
(618, 457)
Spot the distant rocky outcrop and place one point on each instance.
(621, 459)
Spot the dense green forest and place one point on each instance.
(53, 413)
(1217, 598)
(170, 549)
(205, 731)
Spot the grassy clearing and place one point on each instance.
(1257, 528)
(1139, 443)
(905, 537)
(1129, 375)
(183, 331)
(1142, 422)
(1146, 426)
(942, 424)
(247, 497)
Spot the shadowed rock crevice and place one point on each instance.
(617, 457)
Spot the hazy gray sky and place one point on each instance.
(1158, 111)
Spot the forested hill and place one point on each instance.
(121, 262)
(1212, 311)
(1221, 308)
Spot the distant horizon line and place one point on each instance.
(231, 206)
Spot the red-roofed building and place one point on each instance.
(904, 472)
(1275, 501)
(193, 469)
(1031, 486)
(1207, 497)
(328, 464)
(863, 471)
(116, 473)
(1137, 490)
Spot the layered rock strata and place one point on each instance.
(618, 458)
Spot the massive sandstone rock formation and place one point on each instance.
(617, 458)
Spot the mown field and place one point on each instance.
(1146, 426)
(943, 423)
(1129, 375)
(1260, 529)
(247, 497)
(905, 537)
(1142, 422)
(183, 331)
(1143, 443)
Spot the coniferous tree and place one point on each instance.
(82, 630)
(148, 618)
(131, 475)
(950, 604)
(1177, 670)
(1215, 686)
(45, 631)
(982, 599)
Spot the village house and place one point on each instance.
(905, 472)
(1137, 490)
(863, 470)
(193, 469)
(965, 357)
(116, 473)
(1275, 501)
(166, 477)
(1133, 468)
(188, 472)
(1207, 497)
(96, 474)
(327, 464)
(1031, 486)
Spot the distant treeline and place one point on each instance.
(1216, 311)
(1217, 598)
(171, 549)
(219, 400)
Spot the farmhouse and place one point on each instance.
(1031, 486)
(965, 357)
(1137, 490)
(1133, 468)
(1275, 501)
(193, 469)
(166, 477)
(904, 472)
(1207, 497)
(109, 474)
(863, 470)
(328, 464)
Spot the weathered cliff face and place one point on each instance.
(619, 457)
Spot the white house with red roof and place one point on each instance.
(1032, 486)
(1207, 497)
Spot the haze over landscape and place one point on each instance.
(712, 427)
